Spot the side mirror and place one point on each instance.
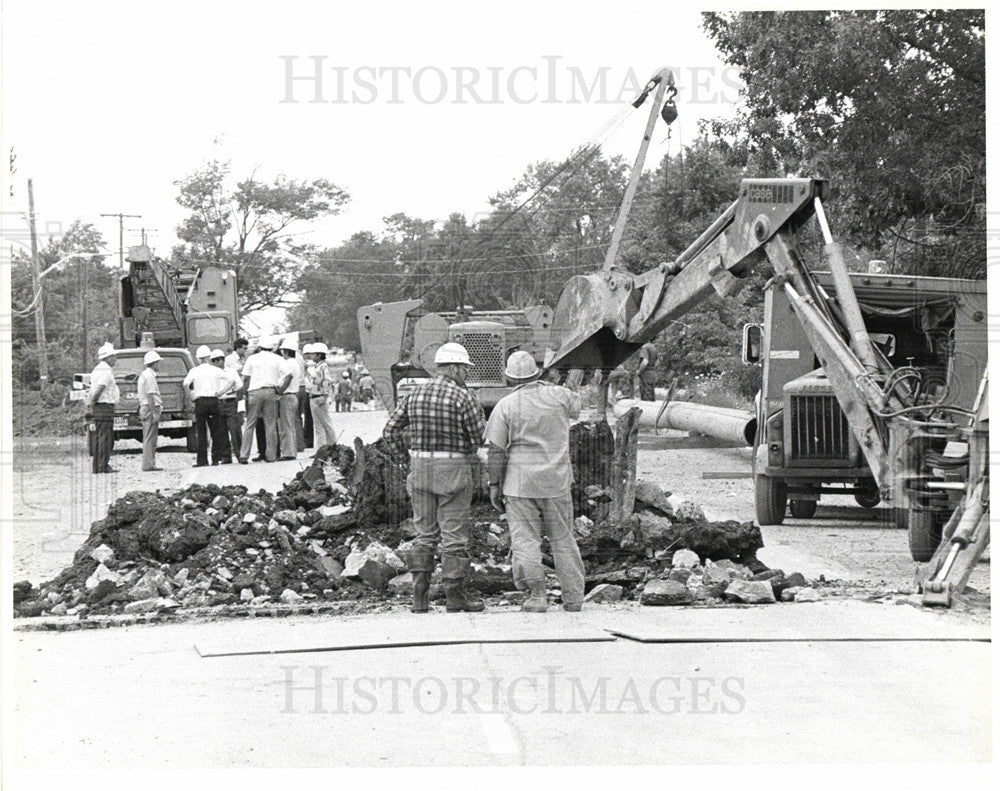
(752, 335)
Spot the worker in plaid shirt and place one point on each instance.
(446, 426)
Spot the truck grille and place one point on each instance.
(486, 351)
(819, 429)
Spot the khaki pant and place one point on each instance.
(262, 404)
(150, 417)
(288, 416)
(529, 519)
(322, 423)
(441, 491)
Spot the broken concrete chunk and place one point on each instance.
(221, 502)
(249, 518)
(225, 573)
(659, 593)
(401, 583)
(736, 570)
(653, 496)
(288, 596)
(679, 574)
(151, 605)
(101, 573)
(685, 559)
(246, 594)
(287, 517)
(807, 594)
(686, 511)
(604, 592)
(103, 554)
(750, 592)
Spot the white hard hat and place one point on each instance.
(151, 357)
(309, 348)
(203, 351)
(217, 354)
(288, 343)
(521, 365)
(107, 350)
(266, 342)
(346, 374)
(320, 348)
(452, 353)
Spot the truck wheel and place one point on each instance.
(924, 533)
(191, 440)
(868, 499)
(802, 509)
(770, 499)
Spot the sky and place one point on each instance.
(422, 108)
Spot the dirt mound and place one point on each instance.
(337, 531)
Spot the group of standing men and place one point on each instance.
(277, 388)
(529, 477)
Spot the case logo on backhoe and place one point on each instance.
(771, 193)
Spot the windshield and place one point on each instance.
(131, 366)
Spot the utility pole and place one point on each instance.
(121, 234)
(36, 279)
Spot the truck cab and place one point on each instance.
(804, 446)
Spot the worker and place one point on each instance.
(205, 382)
(647, 371)
(318, 389)
(366, 387)
(288, 404)
(261, 376)
(445, 424)
(229, 398)
(101, 404)
(150, 409)
(344, 393)
(530, 476)
(239, 353)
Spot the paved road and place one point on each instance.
(142, 696)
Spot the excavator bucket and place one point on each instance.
(587, 316)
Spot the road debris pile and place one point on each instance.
(339, 529)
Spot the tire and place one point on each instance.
(770, 500)
(924, 533)
(191, 440)
(868, 499)
(802, 509)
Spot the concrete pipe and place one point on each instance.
(730, 425)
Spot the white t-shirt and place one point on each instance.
(104, 375)
(291, 366)
(206, 381)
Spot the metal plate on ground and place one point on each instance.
(847, 621)
(358, 633)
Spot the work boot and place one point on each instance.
(454, 572)
(538, 599)
(420, 563)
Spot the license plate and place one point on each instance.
(121, 422)
(78, 395)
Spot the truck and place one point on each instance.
(174, 311)
(883, 407)
(932, 327)
(399, 340)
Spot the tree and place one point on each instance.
(890, 105)
(251, 227)
(79, 306)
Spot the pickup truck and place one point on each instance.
(176, 421)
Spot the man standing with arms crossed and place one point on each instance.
(101, 404)
(530, 475)
(446, 429)
(150, 409)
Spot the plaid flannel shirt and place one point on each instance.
(441, 415)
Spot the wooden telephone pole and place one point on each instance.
(36, 279)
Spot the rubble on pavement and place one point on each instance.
(338, 530)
